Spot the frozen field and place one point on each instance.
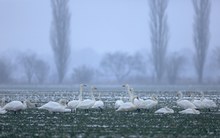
(40, 123)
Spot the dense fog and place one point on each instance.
(110, 42)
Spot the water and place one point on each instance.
(40, 123)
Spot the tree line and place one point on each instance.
(121, 66)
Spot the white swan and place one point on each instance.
(197, 102)
(15, 106)
(140, 103)
(98, 104)
(74, 103)
(56, 106)
(88, 103)
(151, 103)
(2, 102)
(130, 94)
(189, 111)
(118, 103)
(164, 110)
(184, 103)
(30, 104)
(207, 103)
(127, 106)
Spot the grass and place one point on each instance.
(40, 123)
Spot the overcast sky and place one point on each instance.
(99, 25)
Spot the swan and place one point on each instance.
(197, 102)
(118, 103)
(88, 103)
(15, 106)
(30, 104)
(74, 103)
(127, 106)
(140, 103)
(164, 110)
(184, 103)
(2, 102)
(98, 104)
(207, 102)
(150, 103)
(130, 94)
(189, 111)
(56, 106)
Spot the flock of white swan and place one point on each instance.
(135, 103)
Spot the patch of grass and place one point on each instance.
(40, 123)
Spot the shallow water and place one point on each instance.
(40, 123)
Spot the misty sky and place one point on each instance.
(99, 26)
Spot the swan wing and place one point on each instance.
(199, 104)
(73, 104)
(118, 103)
(185, 104)
(209, 103)
(189, 111)
(86, 104)
(98, 104)
(150, 103)
(14, 106)
(128, 106)
(50, 105)
(165, 110)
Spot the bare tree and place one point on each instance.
(121, 64)
(118, 64)
(60, 32)
(41, 70)
(5, 71)
(159, 35)
(83, 74)
(174, 64)
(28, 62)
(216, 61)
(216, 56)
(201, 34)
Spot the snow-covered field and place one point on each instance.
(109, 123)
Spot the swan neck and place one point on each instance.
(130, 93)
(133, 100)
(99, 96)
(80, 92)
(25, 104)
(193, 98)
(202, 96)
(180, 96)
(2, 102)
(92, 95)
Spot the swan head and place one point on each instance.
(93, 88)
(134, 97)
(154, 97)
(125, 85)
(83, 85)
(2, 102)
(202, 93)
(63, 102)
(132, 90)
(30, 104)
(179, 94)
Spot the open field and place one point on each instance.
(40, 123)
